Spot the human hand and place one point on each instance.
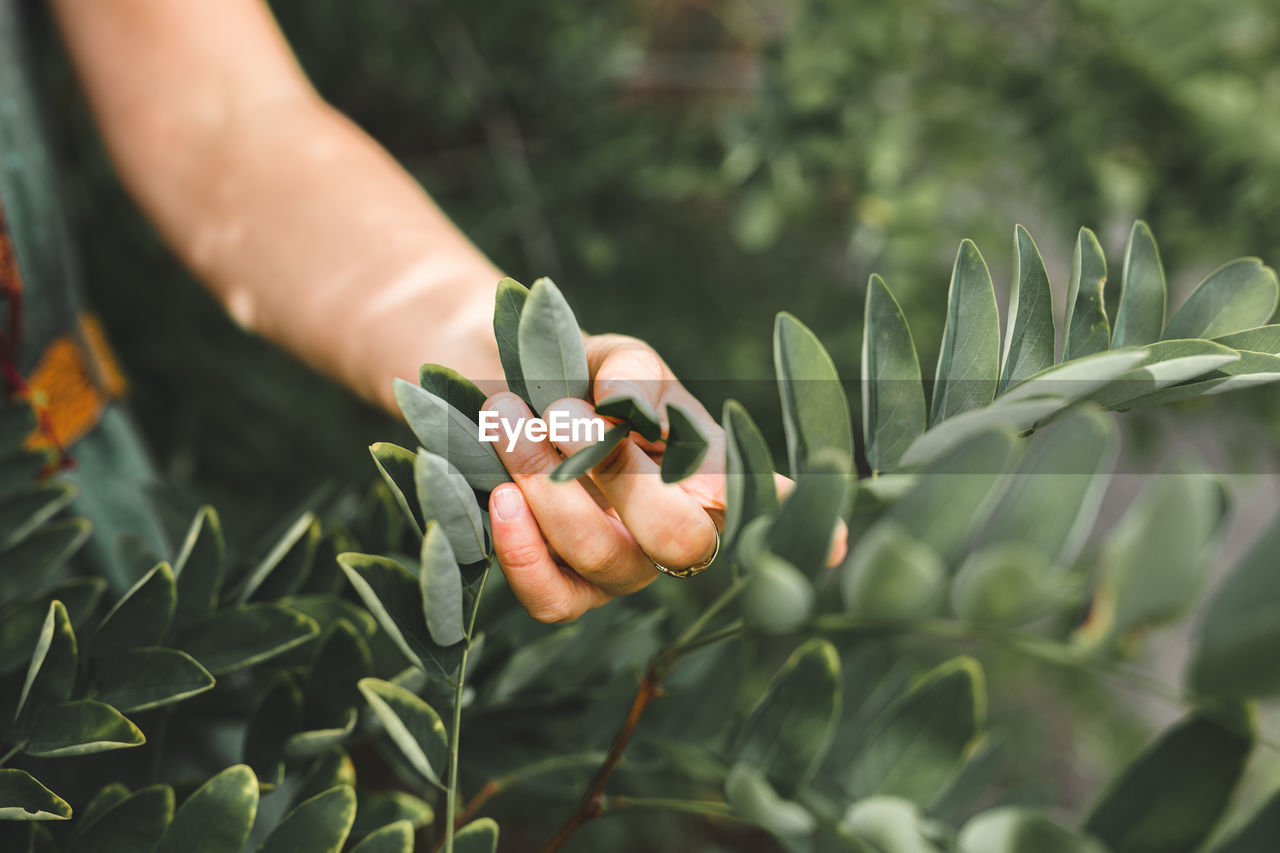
(566, 548)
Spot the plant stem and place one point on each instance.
(539, 768)
(611, 805)
(455, 734)
(17, 747)
(715, 607)
(589, 807)
(650, 688)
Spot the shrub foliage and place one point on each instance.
(375, 633)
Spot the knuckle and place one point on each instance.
(520, 556)
(594, 554)
(554, 612)
(619, 463)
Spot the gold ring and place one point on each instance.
(691, 570)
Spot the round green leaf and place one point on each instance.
(217, 817)
(22, 797)
(319, 825)
(1238, 295)
(413, 725)
(552, 358)
(80, 728)
(446, 498)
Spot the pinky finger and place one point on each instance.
(549, 592)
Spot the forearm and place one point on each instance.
(305, 228)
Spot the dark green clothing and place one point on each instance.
(112, 468)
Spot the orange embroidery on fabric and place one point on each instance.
(71, 399)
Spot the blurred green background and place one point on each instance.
(686, 168)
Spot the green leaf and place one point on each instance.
(952, 496)
(969, 362)
(508, 306)
(23, 511)
(815, 411)
(1008, 584)
(893, 407)
(341, 659)
(413, 725)
(479, 836)
(441, 582)
(1236, 296)
(217, 817)
(637, 413)
(287, 564)
(395, 464)
(21, 621)
(393, 838)
(108, 796)
(447, 432)
(1264, 339)
(1087, 328)
(552, 358)
(1170, 798)
(1029, 344)
(1078, 379)
(378, 809)
(394, 597)
(246, 635)
(587, 458)
(1155, 561)
(1053, 499)
(1015, 417)
(142, 617)
(778, 597)
(686, 446)
(788, 732)
(889, 575)
(1011, 829)
(752, 798)
(806, 524)
(313, 742)
(454, 388)
(1140, 317)
(446, 498)
(1234, 655)
(917, 745)
(276, 718)
(143, 678)
(1258, 834)
(80, 728)
(135, 824)
(199, 569)
(530, 661)
(1251, 370)
(29, 563)
(328, 771)
(1167, 363)
(319, 825)
(750, 486)
(24, 798)
(52, 672)
(891, 824)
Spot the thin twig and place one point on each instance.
(451, 793)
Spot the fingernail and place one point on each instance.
(508, 407)
(508, 503)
